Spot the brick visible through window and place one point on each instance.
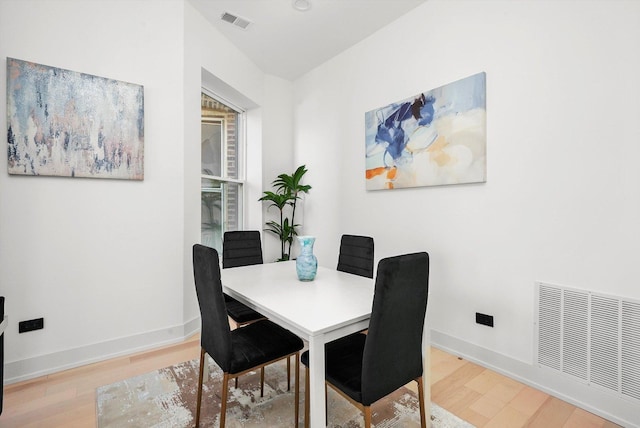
(214, 111)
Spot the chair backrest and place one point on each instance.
(241, 248)
(215, 335)
(393, 347)
(356, 255)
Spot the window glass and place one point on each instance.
(211, 132)
(221, 165)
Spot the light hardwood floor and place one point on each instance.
(489, 399)
(480, 396)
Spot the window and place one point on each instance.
(221, 182)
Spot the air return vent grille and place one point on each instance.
(631, 349)
(592, 337)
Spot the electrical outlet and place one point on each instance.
(30, 325)
(484, 319)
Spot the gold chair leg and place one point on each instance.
(262, 382)
(288, 373)
(297, 388)
(306, 397)
(200, 377)
(367, 416)
(223, 399)
(423, 420)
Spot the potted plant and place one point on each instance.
(287, 191)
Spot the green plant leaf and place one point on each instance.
(287, 192)
(274, 228)
(277, 200)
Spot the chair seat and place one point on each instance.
(343, 364)
(239, 312)
(259, 343)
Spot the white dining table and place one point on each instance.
(333, 305)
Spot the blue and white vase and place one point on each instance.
(306, 263)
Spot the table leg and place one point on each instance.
(316, 382)
(426, 374)
(205, 373)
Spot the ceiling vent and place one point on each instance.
(235, 20)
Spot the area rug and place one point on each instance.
(166, 398)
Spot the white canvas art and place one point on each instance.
(65, 123)
(435, 138)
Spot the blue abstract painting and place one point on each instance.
(65, 123)
(435, 138)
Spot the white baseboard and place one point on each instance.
(29, 368)
(602, 403)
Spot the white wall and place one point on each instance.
(107, 263)
(277, 156)
(561, 201)
(100, 260)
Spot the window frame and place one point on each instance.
(240, 158)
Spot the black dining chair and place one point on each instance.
(244, 248)
(364, 368)
(241, 248)
(356, 255)
(236, 351)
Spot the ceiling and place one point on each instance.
(287, 43)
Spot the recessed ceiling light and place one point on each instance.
(301, 5)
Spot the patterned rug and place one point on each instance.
(167, 398)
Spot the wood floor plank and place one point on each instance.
(552, 413)
(457, 379)
(457, 400)
(443, 364)
(473, 417)
(39, 403)
(583, 419)
(528, 401)
(80, 412)
(23, 394)
(505, 390)
(476, 394)
(507, 417)
(487, 406)
(484, 381)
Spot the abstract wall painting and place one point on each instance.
(65, 123)
(435, 138)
